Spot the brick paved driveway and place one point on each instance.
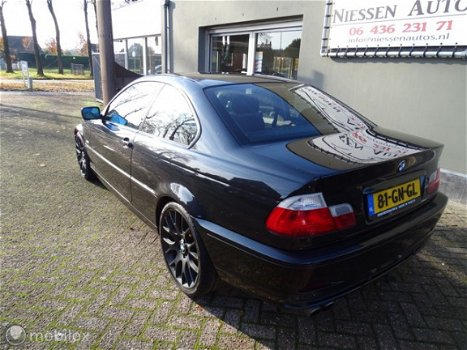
(78, 270)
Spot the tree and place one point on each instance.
(293, 49)
(6, 47)
(51, 47)
(88, 35)
(37, 51)
(57, 37)
(83, 45)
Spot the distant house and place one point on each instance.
(21, 45)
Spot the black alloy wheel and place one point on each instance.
(83, 160)
(184, 252)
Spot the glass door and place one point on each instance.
(229, 53)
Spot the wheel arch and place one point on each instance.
(182, 195)
(79, 131)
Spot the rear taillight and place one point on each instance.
(434, 181)
(308, 215)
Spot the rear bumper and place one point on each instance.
(315, 278)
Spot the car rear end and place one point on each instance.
(338, 237)
(377, 204)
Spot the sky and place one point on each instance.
(70, 16)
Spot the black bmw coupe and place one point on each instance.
(268, 184)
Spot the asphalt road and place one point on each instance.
(79, 270)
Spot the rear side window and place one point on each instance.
(257, 114)
(171, 117)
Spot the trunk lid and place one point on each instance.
(381, 173)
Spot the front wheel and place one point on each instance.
(83, 160)
(184, 253)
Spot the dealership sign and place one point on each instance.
(395, 28)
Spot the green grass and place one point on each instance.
(49, 74)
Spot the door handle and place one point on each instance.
(127, 143)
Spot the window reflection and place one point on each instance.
(154, 50)
(128, 108)
(277, 53)
(171, 118)
(120, 52)
(135, 55)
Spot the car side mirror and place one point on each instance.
(91, 113)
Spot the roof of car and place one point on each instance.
(208, 79)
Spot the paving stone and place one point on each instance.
(184, 322)
(275, 319)
(366, 343)
(91, 323)
(306, 330)
(409, 345)
(227, 301)
(337, 340)
(400, 327)
(209, 333)
(118, 313)
(258, 331)
(252, 311)
(161, 313)
(385, 337)
(183, 305)
(231, 342)
(111, 335)
(414, 318)
(160, 333)
(354, 328)
(133, 344)
(286, 338)
(445, 324)
(232, 317)
(142, 304)
(432, 336)
(186, 340)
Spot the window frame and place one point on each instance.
(145, 49)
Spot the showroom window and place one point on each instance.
(271, 49)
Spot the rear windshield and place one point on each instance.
(280, 111)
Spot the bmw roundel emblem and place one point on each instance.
(401, 166)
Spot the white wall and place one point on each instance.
(141, 18)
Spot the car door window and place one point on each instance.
(130, 106)
(171, 117)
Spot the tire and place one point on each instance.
(83, 160)
(184, 254)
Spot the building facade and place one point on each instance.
(425, 96)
